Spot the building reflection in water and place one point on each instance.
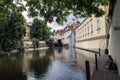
(49, 64)
(59, 49)
(63, 66)
(50, 52)
(72, 53)
(73, 60)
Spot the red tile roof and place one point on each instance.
(73, 26)
(67, 28)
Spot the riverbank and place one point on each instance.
(26, 50)
(5, 53)
(32, 49)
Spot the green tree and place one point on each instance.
(12, 25)
(48, 9)
(6, 8)
(39, 30)
(13, 33)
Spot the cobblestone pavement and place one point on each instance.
(103, 73)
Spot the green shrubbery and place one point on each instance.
(20, 45)
(35, 43)
(49, 43)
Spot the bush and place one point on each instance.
(35, 43)
(49, 43)
(20, 46)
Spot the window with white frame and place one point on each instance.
(85, 29)
(82, 31)
(88, 27)
(98, 24)
(91, 25)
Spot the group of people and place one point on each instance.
(110, 64)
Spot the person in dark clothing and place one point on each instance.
(111, 64)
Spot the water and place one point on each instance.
(49, 64)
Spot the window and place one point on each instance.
(82, 32)
(91, 26)
(78, 34)
(85, 29)
(88, 27)
(98, 24)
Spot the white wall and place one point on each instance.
(92, 40)
(114, 40)
(71, 40)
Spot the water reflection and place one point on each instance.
(59, 49)
(73, 58)
(64, 66)
(50, 52)
(39, 65)
(82, 56)
(11, 69)
(72, 53)
(61, 71)
(50, 64)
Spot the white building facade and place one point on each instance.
(67, 35)
(91, 34)
(114, 40)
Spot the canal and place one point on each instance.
(47, 64)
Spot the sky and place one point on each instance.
(70, 18)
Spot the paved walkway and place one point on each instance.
(103, 73)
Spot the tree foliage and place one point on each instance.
(12, 27)
(6, 8)
(39, 30)
(48, 9)
(35, 43)
(12, 33)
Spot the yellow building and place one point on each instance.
(92, 33)
(27, 27)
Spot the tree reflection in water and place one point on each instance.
(59, 49)
(50, 52)
(11, 69)
(39, 65)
